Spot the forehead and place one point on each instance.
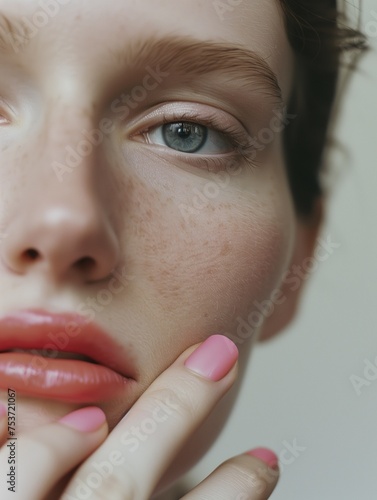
(105, 33)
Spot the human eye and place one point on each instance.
(197, 134)
(189, 137)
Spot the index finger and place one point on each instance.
(133, 459)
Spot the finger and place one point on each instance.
(244, 477)
(47, 453)
(3, 424)
(139, 450)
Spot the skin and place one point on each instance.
(188, 277)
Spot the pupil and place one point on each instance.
(184, 131)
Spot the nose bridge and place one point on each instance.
(60, 148)
(64, 168)
(61, 225)
(69, 141)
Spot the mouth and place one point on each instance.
(62, 357)
(55, 354)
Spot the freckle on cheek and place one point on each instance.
(215, 265)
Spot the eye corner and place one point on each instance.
(7, 112)
(5, 115)
(4, 121)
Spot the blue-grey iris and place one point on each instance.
(184, 136)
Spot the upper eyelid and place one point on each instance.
(198, 121)
(186, 112)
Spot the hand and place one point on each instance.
(129, 464)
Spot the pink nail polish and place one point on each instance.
(267, 456)
(85, 420)
(3, 410)
(214, 358)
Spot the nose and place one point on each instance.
(62, 229)
(65, 241)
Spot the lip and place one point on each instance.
(100, 369)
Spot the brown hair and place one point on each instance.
(318, 39)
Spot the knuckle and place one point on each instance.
(48, 453)
(115, 487)
(163, 397)
(243, 473)
(188, 395)
(182, 400)
(260, 481)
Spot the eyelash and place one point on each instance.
(242, 146)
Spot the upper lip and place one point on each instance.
(51, 333)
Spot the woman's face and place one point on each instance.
(142, 181)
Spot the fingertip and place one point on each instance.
(265, 455)
(214, 358)
(88, 419)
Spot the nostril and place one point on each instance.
(31, 254)
(85, 264)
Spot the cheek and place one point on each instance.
(202, 272)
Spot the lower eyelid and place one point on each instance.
(211, 163)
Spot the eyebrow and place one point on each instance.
(12, 34)
(196, 58)
(183, 55)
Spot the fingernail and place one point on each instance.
(267, 456)
(3, 410)
(85, 420)
(214, 358)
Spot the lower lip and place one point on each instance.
(62, 379)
